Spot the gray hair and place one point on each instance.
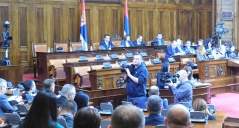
(153, 90)
(154, 104)
(48, 84)
(66, 89)
(127, 116)
(3, 83)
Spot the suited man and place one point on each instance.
(5, 106)
(139, 41)
(188, 49)
(179, 46)
(159, 39)
(171, 50)
(126, 42)
(68, 92)
(106, 43)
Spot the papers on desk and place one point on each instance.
(17, 98)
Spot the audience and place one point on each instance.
(221, 53)
(87, 117)
(200, 105)
(189, 71)
(171, 50)
(179, 46)
(209, 48)
(162, 75)
(29, 87)
(178, 116)
(200, 42)
(127, 116)
(201, 53)
(67, 111)
(154, 90)
(154, 106)
(43, 112)
(188, 49)
(139, 41)
(68, 92)
(49, 84)
(126, 42)
(5, 106)
(182, 92)
(106, 44)
(159, 39)
(81, 99)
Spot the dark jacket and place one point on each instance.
(60, 100)
(69, 120)
(103, 44)
(5, 105)
(154, 119)
(123, 43)
(160, 42)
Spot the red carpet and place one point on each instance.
(29, 76)
(228, 102)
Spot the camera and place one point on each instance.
(167, 79)
(130, 67)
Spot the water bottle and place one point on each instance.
(49, 49)
(91, 48)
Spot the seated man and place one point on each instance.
(139, 41)
(106, 43)
(67, 111)
(126, 42)
(179, 46)
(30, 87)
(68, 92)
(154, 90)
(188, 49)
(159, 39)
(232, 53)
(49, 84)
(127, 116)
(4, 104)
(178, 116)
(154, 106)
(171, 50)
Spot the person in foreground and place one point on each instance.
(154, 106)
(178, 116)
(154, 90)
(87, 117)
(43, 112)
(127, 116)
(182, 92)
(200, 105)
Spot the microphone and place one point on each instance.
(127, 50)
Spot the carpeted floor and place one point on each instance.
(228, 102)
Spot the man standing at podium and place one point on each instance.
(136, 80)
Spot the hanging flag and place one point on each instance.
(126, 19)
(83, 29)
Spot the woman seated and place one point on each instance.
(200, 105)
(188, 49)
(126, 42)
(189, 70)
(201, 53)
(163, 75)
(43, 112)
(200, 42)
(209, 48)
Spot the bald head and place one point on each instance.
(153, 90)
(178, 116)
(127, 116)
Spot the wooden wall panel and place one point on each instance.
(199, 21)
(101, 23)
(57, 23)
(185, 24)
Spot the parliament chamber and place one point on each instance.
(39, 27)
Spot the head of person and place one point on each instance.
(178, 116)
(68, 107)
(223, 48)
(139, 38)
(137, 60)
(107, 38)
(3, 86)
(68, 91)
(160, 36)
(209, 44)
(127, 116)
(127, 37)
(43, 111)
(154, 90)
(165, 67)
(183, 75)
(232, 49)
(81, 99)
(49, 84)
(200, 105)
(201, 50)
(188, 44)
(189, 71)
(29, 85)
(154, 104)
(179, 42)
(87, 117)
(200, 42)
(174, 43)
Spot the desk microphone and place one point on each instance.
(127, 50)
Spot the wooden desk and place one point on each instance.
(233, 64)
(13, 73)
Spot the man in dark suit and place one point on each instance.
(179, 46)
(188, 49)
(171, 50)
(139, 41)
(106, 44)
(154, 106)
(68, 92)
(126, 42)
(159, 39)
(5, 106)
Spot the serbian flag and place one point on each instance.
(126, 19)
(83, 29)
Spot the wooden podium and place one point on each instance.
(13, 73)
(233, 64)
